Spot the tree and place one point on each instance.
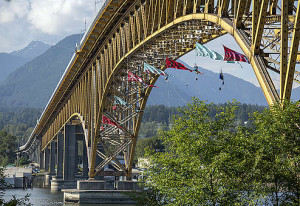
(276, 143)
(209, 160)
(8, 146)
(153, 143)
(191, 172)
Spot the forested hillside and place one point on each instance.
(17, 123)
(160, 117)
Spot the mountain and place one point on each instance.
(180, 88)
(9, 62)
(296, 93)
(32, 50)
(33, 83)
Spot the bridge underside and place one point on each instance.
(127, 34)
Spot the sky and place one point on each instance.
(49, 21)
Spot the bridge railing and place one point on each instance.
(93, 24)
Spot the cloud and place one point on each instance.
(22, 21)
(11, 11)
(58, 17)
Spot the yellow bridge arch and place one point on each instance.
(127, 33)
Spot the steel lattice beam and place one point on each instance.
(125, 34)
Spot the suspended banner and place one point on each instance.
(151, 69)
(133, 77)
(204, 51)
(120, 101)
(105, 120)
(231, 55)
(173, 64)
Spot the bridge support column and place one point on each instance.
(31, 156)
(42, 163)
(47, 162)
(76, 157)
(34, 155)
(52, 158)
(37, 154)
(60, 155)
(65, 175)
(85, 171)
(46, 157)
(69, 152)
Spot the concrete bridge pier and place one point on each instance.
(37, 154)
(60, 155)
(67, 159)
(52, 158)
(34, 156)
(47, 163)
(31, 156)
(69, 152)
(50, 163)
(101, 192)
(85, 169)
(46, 159)
(41, 161)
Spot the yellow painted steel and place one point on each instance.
(294, 55)
(148, 31)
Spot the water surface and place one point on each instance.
(43, 197)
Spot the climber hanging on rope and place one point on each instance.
(221, 77)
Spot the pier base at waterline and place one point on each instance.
(102, 192)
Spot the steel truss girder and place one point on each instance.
(148, 31)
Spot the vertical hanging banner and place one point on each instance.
(231, 55)
(173, 64)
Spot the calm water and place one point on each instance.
(42, 197)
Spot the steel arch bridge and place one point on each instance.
(127, 33)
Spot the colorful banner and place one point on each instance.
(231, 55)
(105, 120)
(133, 77)
(173, 64)
(118, 100)
(204, 51)
(151, 69)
